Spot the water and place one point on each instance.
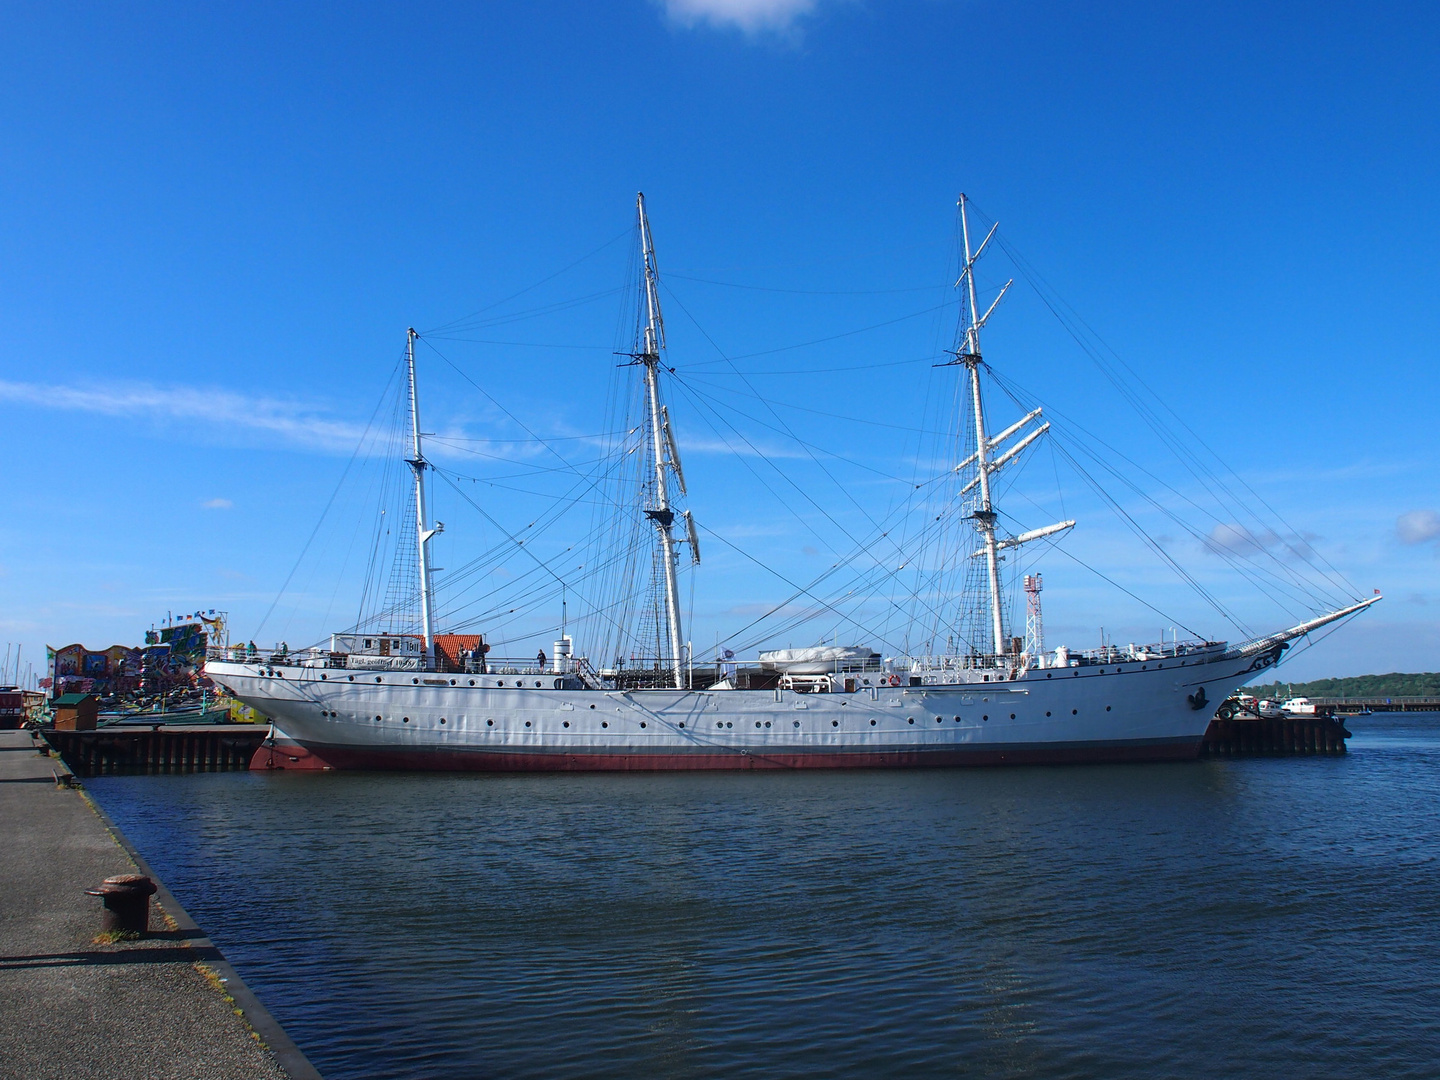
(1271, 917)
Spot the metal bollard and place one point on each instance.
(127, 902)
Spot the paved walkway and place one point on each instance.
(74, 1010)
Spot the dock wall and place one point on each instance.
(108, 752)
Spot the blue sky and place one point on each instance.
(216, 225)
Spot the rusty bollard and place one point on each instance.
(127, 902)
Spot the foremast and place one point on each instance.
(661, 439)
(423, 534)
(984, 513)
(988, 459)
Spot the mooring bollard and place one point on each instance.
(127, 902)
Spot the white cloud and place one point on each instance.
(1418, 526)
(751, 16)
(290, 420)
(217, 504)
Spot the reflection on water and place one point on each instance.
(1228, 918)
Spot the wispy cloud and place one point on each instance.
(1418, 527)
(749, 16)
(293, 421)
(217, 504)
(1238, 540)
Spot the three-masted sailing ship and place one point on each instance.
(375, 700)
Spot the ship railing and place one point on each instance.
(1124, 654)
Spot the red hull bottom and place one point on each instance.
(286, 755)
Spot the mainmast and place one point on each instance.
(984, 514)
(418, 465)
(661, 513)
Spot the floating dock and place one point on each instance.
(1280, 737)
(77, 1003)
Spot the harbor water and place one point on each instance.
(1247, 917)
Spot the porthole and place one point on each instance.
(604, 724)
(489, 723)
(377, 678)
(1142, 667)
(323, 676)
(1107, 708)
(452, 682)
(797, 723)
(834, 723)
(350, 677)
(442, 719)
(718, 723)
(985, 717)
(1048, 675)
(1012, 716)
(757, 723)
(592, 706)
(642, 723)
(565, 723)
(937, 720)
(472, 682)
(729, 723)
(527, 723)
(415, 681)
(912, 719)
(1162, 665)
(1074, 712)
(537, 685)
(500, 682)
(682, 723)
(405, 719)
(767, 723)
(872, 723)
(377, 719)
(957, 719)
(1047, 712)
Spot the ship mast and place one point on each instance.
(989, 458)
(984, 514)
(661, 513)
(418, 465)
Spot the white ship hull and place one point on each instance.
(424, 720)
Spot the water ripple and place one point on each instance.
(1218, 919)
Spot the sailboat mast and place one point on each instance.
(985, 513)
(418, 465)
(660, 514)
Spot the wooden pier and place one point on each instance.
(1280, 737)
(1354, 706)
(115, 751)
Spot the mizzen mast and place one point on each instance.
(418, 465)
(661, 438)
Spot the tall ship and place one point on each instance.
(978, 694)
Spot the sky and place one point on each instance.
(216, 224)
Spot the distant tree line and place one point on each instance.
(1396, 684)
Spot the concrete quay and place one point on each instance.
(166, 1005)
